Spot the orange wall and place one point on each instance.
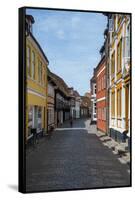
(101, 123)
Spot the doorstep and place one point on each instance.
(119, 149)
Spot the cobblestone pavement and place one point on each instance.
(73, 159)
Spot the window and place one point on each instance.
(101, 83)
(95, 88)
(119, 102)
(44, 76)
(128, 42)
(44, 79)
(113, 104)
(104, 81)
(119, 19)
(40, 72)
(39, 118)
(104, 113)
(33, 65)
(30, 119)
(95, 108)
(114, 26)
(111, 25)
(98, 85)
(28, 61)
(113, 64)
(99, 114)
(50, 116)
(119, 55)
(50, 90)
(114, 23)
(102, 109)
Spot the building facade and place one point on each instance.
(85, 106)
(101, 95)
(93, 98)
(107, 61)
(62, 101)
(119, 76)
(77, 104)
(51, 102)
(36, 84)
(72, 103)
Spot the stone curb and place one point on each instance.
(117, 148)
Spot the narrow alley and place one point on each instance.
(73, 158)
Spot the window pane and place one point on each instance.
(33, 65)
(28, 61)
(39, 71)
(30, 119)
(39, 118)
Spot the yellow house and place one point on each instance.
(119, 77)
(36, 83)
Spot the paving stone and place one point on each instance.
(74, 159)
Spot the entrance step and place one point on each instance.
(121, 149)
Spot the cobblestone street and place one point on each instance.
(73, 158)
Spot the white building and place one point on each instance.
(77, 104)
(119, 76)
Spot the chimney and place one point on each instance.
(29, 22)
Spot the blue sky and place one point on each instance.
(71, 42)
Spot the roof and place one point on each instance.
(50, 77)
(31, 18)
(62, 86)
(102, 48)
(76, 94)
(39, 47)
(100, 62)
(93, 79)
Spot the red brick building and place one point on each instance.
(101, 95)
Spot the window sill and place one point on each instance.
(119, 118)
(113, 117)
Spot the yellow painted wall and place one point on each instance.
(121, 32)
(119, 75)
(119, 85)
(39, 98)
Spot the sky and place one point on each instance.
(71, 41)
